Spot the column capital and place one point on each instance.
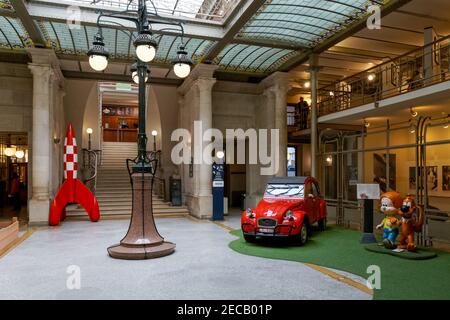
(205, 84)
(41, 70)
(280, 81)
(200, 71)
(46, 57)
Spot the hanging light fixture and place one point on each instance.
(135, 75)
(307, 84)
(366, 123)
(10, 151)
(19, 154)
(145, 46)
(98, 54)
(371, 77)
(446, 124)
(182, 65)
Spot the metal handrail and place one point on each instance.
(396, 76)
(160, 190)
(92, 166)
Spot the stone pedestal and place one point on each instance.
(142, 240)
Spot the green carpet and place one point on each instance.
(419, 254)
(339, 249)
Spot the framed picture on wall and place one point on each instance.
(412, 178)
(432, 178)
(380, 170)
(446, 178)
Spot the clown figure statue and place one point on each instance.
(390, 204)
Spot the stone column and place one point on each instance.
(205, 116)
(276, 88)
(281, 124)
(313, 71)
(429, 36)
(47, 81)
(196, 92)
(40, 202)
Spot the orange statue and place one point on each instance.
(408, 224)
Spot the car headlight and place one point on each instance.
(289, 215)
(249, 213)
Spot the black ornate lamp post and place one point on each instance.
(142, 240)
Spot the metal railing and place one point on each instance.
(159, 184)
(414, 70)
(90, 168)
(159, 187)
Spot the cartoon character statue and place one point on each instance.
(390, 204)
(408, 224)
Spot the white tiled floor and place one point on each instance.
(203, 267)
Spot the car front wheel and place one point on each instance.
(302, 237)
(249, 238)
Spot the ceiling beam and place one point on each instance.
(117, 77)
(353, 28)
(241, 16)
(28, 23)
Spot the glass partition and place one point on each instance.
(412, 157)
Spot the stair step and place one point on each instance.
(128, 212)
(118, 198)
(113, 190)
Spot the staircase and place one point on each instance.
(113, 191)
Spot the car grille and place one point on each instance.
(265, 222)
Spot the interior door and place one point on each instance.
(316, 201)
(309, 201)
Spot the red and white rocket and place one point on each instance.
(72, 189)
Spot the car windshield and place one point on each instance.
(285, 191)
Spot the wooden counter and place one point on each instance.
(119, 135)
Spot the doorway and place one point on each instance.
(119, 112)
(235, 182)
(14, 176)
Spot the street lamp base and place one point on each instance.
(141, 252)
(142, 240)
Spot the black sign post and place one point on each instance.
(217, 190)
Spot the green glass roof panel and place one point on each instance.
(13, 33)
(63, 35)
(275, 60)
(117, 41)
(165, 43)
(302, 22)
(249, 58)
(81, 42)
(123, 44)
(196, 48)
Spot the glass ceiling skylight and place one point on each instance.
(194, 9)
(77, 41)
(249, 59)
(13, 34)
(302, 22)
